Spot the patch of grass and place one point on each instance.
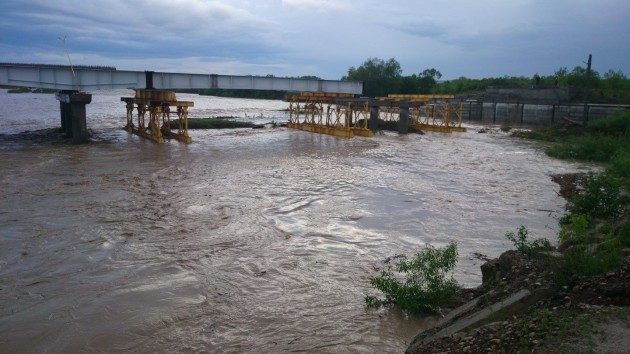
(589, 147)
(425, 286)
(19, 90)
(554, 327)
(599, 141)
(214, 123)
(525, 246)
(588, 260)
(616, 125)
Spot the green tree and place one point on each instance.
(379, 77)
(427, 80)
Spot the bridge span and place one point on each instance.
(86, 78)
(152, 92)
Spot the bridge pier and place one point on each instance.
(374, 112)
(72, 110)
(403, 119)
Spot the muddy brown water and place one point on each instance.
(245, 240)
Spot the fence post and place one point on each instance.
(553, 113)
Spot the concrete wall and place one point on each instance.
(532, 114)
(540, 96)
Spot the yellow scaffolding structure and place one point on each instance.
(320, 113)
(439, 117)
(158, 104)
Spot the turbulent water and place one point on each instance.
(245, 240)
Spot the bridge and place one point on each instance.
(73, 82)
(321, 106)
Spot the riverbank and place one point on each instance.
(573, 297)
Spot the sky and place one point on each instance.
(475, 39)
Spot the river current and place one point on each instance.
(246, 240)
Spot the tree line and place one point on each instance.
(382, 77)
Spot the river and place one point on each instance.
(246, 240)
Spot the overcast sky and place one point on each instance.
(320, 37)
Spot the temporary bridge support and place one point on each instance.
(348, 116)
(72, 108)
(157, 103)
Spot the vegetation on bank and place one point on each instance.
(214, 123)
(596, 229)
(420, 284)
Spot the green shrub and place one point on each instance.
(425, 286)
(523, 245)
(620, 166)
(575, 227)
(601, 197)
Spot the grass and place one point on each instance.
(214, 123)
(620, 167)
(602, 140)
(595, 147)
(552, 328)
(424, 286)
(526, 247)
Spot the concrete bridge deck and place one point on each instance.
(85, 78)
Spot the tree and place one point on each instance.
(379, 77)
(427, 80)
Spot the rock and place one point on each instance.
(496, 269)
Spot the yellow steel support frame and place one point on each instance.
(159, 112)
(317, 114)
(439, 117)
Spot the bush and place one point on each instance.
(575, 227)
(524, 246)
(601, 197)
(425, 286)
